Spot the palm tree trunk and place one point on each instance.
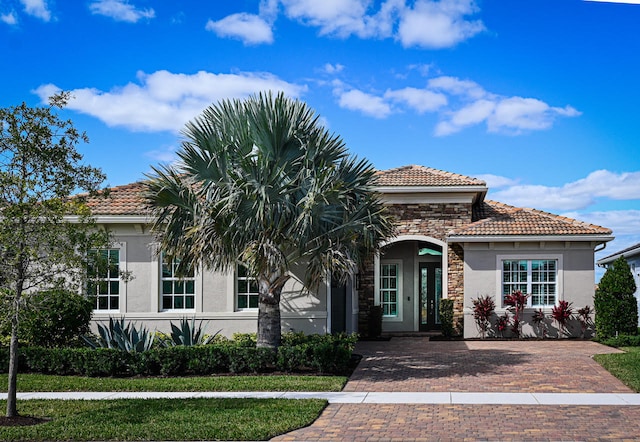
(269, 327)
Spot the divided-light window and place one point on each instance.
(103, 275)
(178, 293)
(246, 289)
(389, 289)
(537, 277)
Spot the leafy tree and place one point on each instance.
(262, 182)
(40, 247)
(56, 318)
(616, 306)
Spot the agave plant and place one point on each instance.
(188, 334)
(122, 336)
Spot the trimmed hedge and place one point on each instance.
(621, 341)
(318, 353)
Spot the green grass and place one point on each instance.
(624, 366)
(39, 382)
(163, 419)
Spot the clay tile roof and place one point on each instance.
(121, 200)
(492, 218)
(423, 176)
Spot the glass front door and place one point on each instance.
(430, 286)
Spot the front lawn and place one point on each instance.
(163, 419)
(624, 366)
(40, 382)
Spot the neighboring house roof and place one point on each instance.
(494, 219)
(629, 252)
(121, 200)
(424, 177)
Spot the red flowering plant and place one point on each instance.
(516, 302)
(502, 323)
(562, 313)
(538, 320)
(584, 316)
(483, 308)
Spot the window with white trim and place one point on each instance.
(246, 289)
(536, 277)
(103, 278)
(389, 288)
(177, 293)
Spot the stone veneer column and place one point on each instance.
(455, 284)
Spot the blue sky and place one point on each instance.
(539, 98)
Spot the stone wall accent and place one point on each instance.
(429, 219)
(433, 219)
(455, 285)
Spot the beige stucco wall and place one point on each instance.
(215, 293)
(482, 276)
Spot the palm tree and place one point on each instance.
(261, 182)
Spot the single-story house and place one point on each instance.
(451, 243)
(632, 255)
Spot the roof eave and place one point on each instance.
(117, 219)
(430, 189)
(611, 258)
(527, 238)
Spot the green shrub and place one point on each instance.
(55, 318)
(616, 306)
(323, 353)
(446, 317)
(621, 341)
(251, 359)
(209, 359)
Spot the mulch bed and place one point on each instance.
(21, 421)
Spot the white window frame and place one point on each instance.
(120, 247)
(173, 279)
(237, 278)
(529, 283)
(399, 295)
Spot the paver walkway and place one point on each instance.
(490, 367)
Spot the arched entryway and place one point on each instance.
(409, 282)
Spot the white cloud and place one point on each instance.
(9, 18)
(341, 18)
(333, 68)
(469, 115)
(518, 114)
(458, 103)
(429, 24)
(249, 28)
(165, 155)
(365, 103)
(421, 100)
(164, 101)
(622, 222)
(454, 86)
(496, 181)
(437, 25)
(37, 8)
(575, 195)
(120, 10)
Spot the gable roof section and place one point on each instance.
(420, 176)
(634, 250)
(497, 221)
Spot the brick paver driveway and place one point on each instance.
(419, 365)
